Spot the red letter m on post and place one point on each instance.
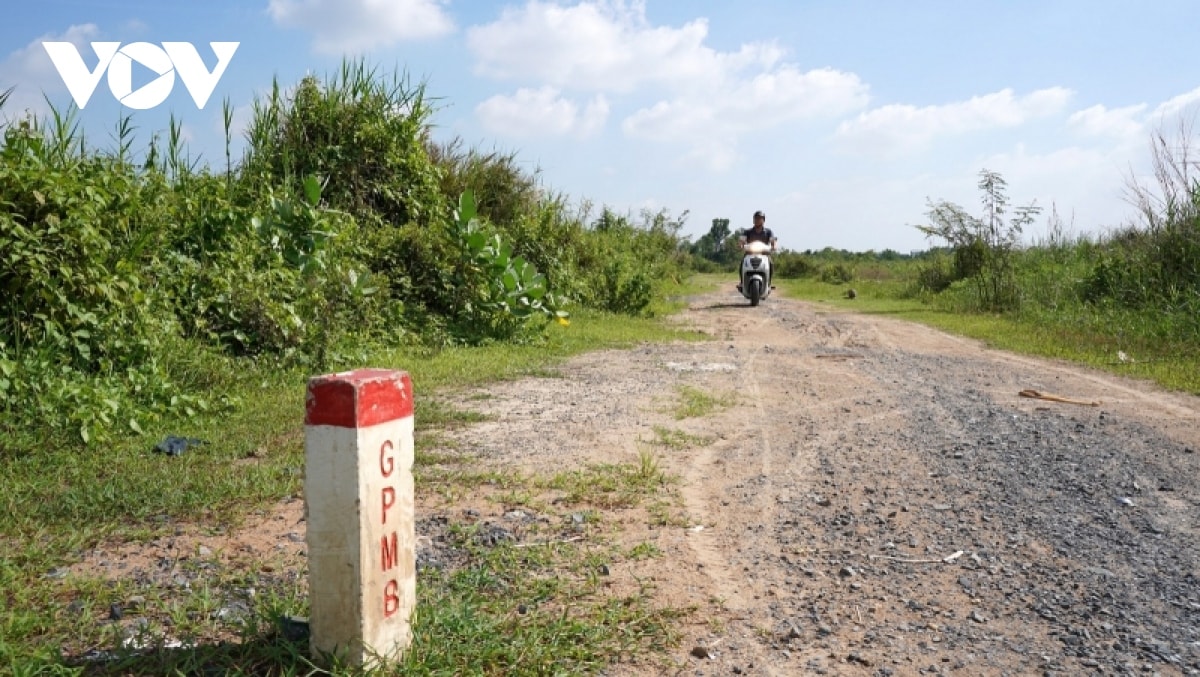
(391, 552)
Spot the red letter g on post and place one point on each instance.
(387, 462)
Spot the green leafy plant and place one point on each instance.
(501, 289)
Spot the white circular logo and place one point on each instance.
(120, 75)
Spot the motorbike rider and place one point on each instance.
(758, 233)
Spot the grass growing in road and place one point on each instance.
(695, 403)
(609, 485)
(536, 604)
(530, 600)
(513, 610)
(677, 440)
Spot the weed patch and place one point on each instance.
(678, 440)
(695, 403)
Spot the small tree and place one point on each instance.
(983, 247)
(717, 235)
(711, 245)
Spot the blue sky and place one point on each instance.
(837, 118)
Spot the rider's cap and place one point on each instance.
(758, 214)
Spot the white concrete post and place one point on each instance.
(358, 492)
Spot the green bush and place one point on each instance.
(788, 264)
(703, 265)
(935, 274)
(71, 276)
(498, 291)
(619, 264)
(837, 273)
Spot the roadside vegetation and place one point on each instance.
(146, 295)
(140, 287)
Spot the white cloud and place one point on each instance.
(1031, 170)
(761, 102)
(542, 112)
(356, 26)
(707, 99)
(1182, 105)
(1098, 120)
(135, 27)
(712, 122)
(603, 45)
(30, 72)
(898, 127)
(716, 155)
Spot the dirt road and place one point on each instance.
(878, 500)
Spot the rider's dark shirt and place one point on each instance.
(763, 236)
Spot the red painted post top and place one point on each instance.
(358, 399)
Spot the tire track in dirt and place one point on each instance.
(876, 408)
(740, 557)
(729, 465)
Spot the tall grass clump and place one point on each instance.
(1155, 263)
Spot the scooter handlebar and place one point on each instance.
(757, 248)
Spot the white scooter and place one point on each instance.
(756, 272)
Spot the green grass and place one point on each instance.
(530, 607)
(1076, 335)
(500, 617)
(60, 500)
(440, 415)
(609, 486)
(678, 292)
(538, 606)
(644, 550)
(678, 440)
(695, 403)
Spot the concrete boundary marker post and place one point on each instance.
(358, 493)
